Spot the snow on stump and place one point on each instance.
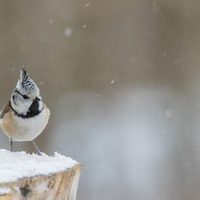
(32, 177)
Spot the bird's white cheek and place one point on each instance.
(40, 105)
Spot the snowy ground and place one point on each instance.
(16, 165)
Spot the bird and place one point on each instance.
(25, 115)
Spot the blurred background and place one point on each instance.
(122, 80)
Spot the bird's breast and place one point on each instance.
(24, 129)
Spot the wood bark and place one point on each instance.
(57, 186)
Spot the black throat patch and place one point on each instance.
(33, 110)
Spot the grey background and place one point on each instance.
(122, 81)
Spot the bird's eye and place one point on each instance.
(25, 97)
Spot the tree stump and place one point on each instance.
(32, 177)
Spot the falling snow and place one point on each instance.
(50, 21)
(112, 81)
(68, 32)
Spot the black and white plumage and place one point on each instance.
(25, 116)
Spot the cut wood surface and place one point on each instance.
(56, 183)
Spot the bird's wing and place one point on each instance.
(5, 110)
